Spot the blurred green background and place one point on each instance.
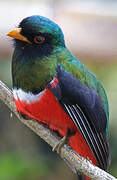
(90, 32)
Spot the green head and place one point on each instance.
(37, 36)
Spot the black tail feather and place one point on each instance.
(80, 177)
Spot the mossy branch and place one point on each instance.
(79, 163)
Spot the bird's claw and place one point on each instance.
(21, 115)
(59, 144)
(89, 160)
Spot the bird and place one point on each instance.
(55, 88)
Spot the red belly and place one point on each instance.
(47, 110)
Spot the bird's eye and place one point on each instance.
(39, 39)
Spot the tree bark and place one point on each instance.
(70, 156)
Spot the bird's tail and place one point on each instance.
(81, 177)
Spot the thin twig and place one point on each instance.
(79, 163)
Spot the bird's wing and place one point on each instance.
(84, 107)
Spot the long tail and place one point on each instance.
(81, 177)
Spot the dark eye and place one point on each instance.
(39, 39)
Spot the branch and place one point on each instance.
(79, 163)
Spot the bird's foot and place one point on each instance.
(89, 160)
(21, 115)
(63, 141)
(59, 144)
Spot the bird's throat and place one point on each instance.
(32, 75)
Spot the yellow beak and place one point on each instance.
(16, 35)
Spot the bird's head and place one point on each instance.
(37, 36)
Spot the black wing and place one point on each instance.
(85, 108)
